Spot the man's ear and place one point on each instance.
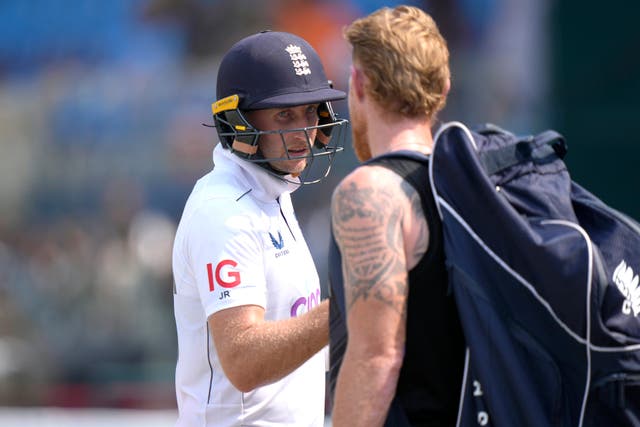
(358, 79)
(447, 87)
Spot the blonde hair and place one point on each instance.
(405, 59)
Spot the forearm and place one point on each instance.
(366, 386)
(266, 351)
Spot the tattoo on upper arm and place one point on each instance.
(367, 226)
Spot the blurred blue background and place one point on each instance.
(101, 106)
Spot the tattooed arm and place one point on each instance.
(379, 227)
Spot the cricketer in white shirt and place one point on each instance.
(239, 243)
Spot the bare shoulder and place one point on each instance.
(371, 184)
(374, 193)
(368, 197)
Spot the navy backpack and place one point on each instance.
(545, 276)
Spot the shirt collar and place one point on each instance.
(264, 185)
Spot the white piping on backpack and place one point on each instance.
(587, 306)
(464, 385)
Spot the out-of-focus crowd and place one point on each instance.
(101, 106)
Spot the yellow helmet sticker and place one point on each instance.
(225, 104)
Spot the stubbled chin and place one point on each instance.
(293, 167)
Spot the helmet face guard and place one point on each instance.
(239, 136)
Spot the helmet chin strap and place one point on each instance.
(273, 170)
(279, 173)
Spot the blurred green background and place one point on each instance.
(101, 106)
(595, 96)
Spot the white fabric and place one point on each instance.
(233, 237)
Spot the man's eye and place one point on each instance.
(312, 109)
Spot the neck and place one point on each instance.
(399, 134)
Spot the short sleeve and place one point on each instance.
(226, 254)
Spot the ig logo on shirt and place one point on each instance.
(225, 274)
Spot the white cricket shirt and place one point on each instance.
(239, 243)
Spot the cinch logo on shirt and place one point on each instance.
(307, 303)
(225, 277)
(627, 283)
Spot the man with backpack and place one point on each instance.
(545, 276)
(405, 355)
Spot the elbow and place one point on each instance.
(243, 386)
(395, 363)
(387, 360)
(241, 378)
(392, 358)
